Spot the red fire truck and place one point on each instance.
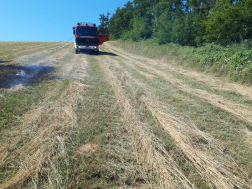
(89, 37)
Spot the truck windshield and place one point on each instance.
(86, 31)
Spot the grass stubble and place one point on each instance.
(72, 137)
(40, 139)
(213, 165)
(147, 147)
(107, 123)
(45, 138)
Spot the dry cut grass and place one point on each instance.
(42, 135)
(238, 110)
(147, 147)
(207, 156)
(31, 154)
(210, 161)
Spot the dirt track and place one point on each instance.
(184, 129)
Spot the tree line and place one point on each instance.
(186, 22)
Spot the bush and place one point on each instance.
(233, 61)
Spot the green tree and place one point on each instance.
(121, 22)
(187, 22)
(229, 22)
(143, 21)
(104, 20)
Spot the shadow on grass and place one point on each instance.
(12, 75)
(100, 53)
(2, 62)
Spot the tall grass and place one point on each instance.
(232, 62)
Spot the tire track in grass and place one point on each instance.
(214, 168)
(145, 144)
(211, 167)
(241, 112)
(37, 144)
(47, 140)
(213, 82)
(33, 67)
(43, 56)
(17, 47)
(28, 50)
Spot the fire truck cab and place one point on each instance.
(89, 37)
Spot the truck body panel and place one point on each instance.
(89, 37)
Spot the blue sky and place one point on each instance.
(49, 20)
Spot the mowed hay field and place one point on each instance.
(118, 120)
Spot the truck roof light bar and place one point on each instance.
(85, 24)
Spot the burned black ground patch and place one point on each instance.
(2, 62)
(12, 75)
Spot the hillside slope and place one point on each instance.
(118, 120)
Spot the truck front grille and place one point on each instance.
(87, 40)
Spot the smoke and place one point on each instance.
(30, 73)
(25, 75)
(21, 73)
(27, 70)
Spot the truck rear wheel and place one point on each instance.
(76, 52)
